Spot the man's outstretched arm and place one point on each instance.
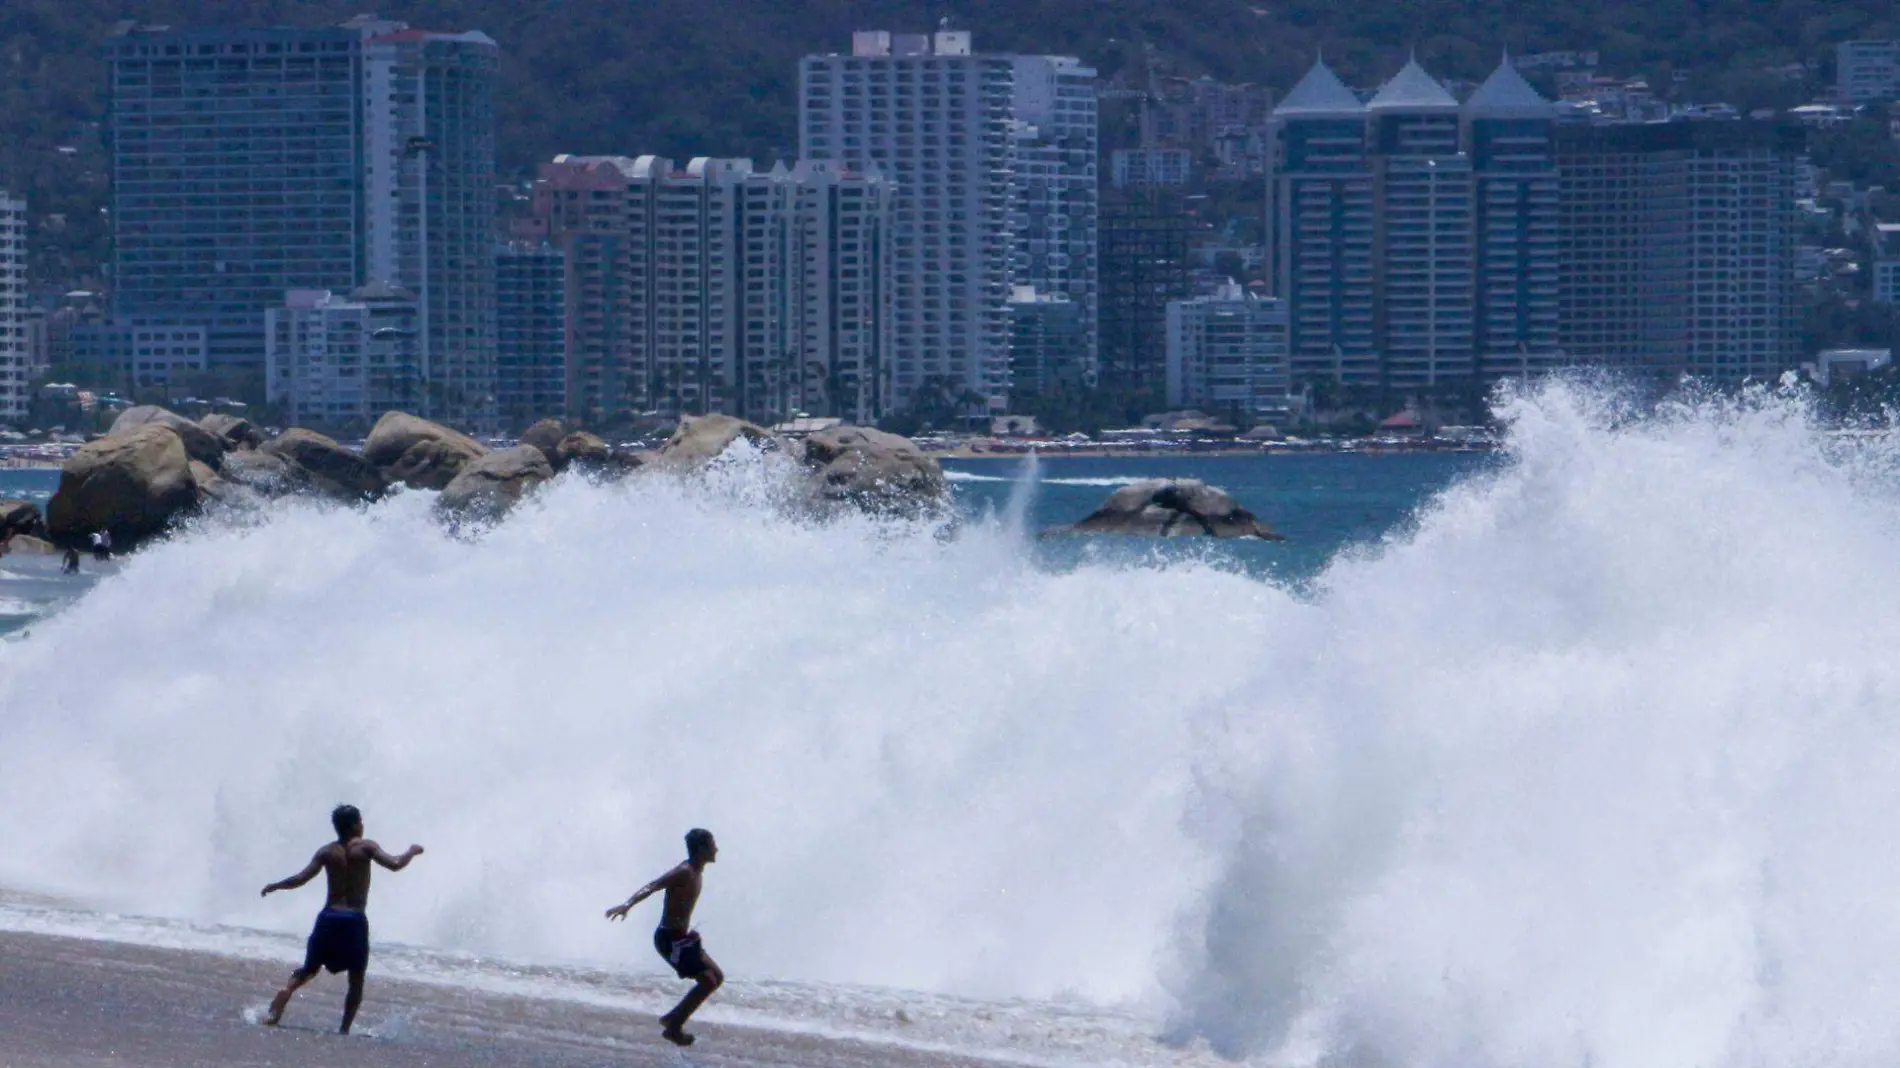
(619, 912)
(393, 863)
(308, 873)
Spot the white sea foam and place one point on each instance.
(1594, 767)
(1103, 480)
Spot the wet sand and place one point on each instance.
(72, 1003)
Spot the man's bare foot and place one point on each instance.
(677, 1036)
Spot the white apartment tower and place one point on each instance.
(715, 287)
(993, 158)
(13, 348)
(1229, 352)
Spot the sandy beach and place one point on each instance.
(68, 1003)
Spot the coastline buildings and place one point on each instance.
(1420, 242)
(1230, 352)
(1143, 239)
(1866, 70)
(994, 160)
(1677, 246)
(714, 287)
(13, 312)
(338, 362)
(530, 332)
(1048, 343)
(248, 163)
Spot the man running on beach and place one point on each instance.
(340, 940)
(675, 938)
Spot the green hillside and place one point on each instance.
(686, 77)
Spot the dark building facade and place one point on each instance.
(1143, 249)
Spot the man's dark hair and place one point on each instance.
(697, 839)
(343, 817)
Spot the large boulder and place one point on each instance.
(202, 445)
(415, 451)
(589, 454)
(489, 487)
(701, 438)
(1163, 508)
(264, 472)
(235, 431)
(28, 545)
(132, 484)
(874, 470)
(330, 468)
(20, 517)
(547, 436)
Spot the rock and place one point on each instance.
(489, 487)
(203, 445)
(874, 469)
(20, 517)
(222, 491)
(132, 484)
(586, 452)
(703, 438)
(235, 431)
(547, 436)
(1164, 508)
(330, 468)
(415, 451)
(28, 545)
(264, 472)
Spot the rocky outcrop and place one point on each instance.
(264, 473)
(419, 453)
(20, 517)
(28, 545)
(235, 431)
(202, 445)
(489, 487)
(1164, 508)
(547, 436)
(330, 468)
(133, 484)
(703, 438)
(588, 454)
(874, 470)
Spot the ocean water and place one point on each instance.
(1582, 755)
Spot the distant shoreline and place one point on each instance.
(964, 452)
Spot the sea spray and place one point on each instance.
(1593, 764)
(1595, 769)
(929, 764)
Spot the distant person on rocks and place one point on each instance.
(675, 938)
(340, 940)
(70, 564)
(101, 545)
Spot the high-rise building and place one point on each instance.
(530, 333)
(993, 157)
(1676, 246)
(429, 191)
(236, 160)
(1230, 352)
(1413, 238)
(338, 363)
(1320, 217)
(1048, 343)
(1866, 70)
(1508, 128)
(715, 287)
(1143, 240)
(14, 399)
(247, 163)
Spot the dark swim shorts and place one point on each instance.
(339, 942)
(683, 952)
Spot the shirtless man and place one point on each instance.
(675, 938)
(340, 940)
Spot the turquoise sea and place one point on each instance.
(1321, 503)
